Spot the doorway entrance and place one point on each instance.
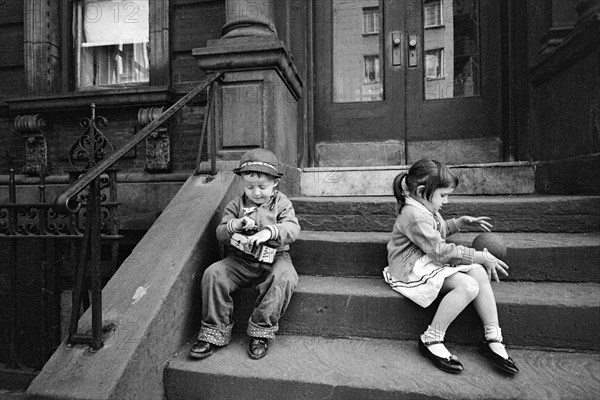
(397, 80)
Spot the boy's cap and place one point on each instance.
(259, 160)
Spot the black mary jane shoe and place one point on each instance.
(504, 364)
(258, 348)
(202, 349)
(450, 364)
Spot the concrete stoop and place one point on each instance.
(550, 257)
(347, 335)
(310, 368)
(489, 179)
(538, 314)
(508, 213)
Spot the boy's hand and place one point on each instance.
(482, 222)
(244, 224)
(258, 238)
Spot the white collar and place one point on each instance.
(413, 202)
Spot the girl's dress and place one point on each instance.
(419, 257)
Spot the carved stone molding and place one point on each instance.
(249, 18)
(33, 129)
(41, 44)
(158, 144)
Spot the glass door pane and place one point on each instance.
(357, 51)
(452, 48)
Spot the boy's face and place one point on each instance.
(259, 187)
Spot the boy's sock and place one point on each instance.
(434, 335)
(493, 332)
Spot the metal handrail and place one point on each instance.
(68, 201)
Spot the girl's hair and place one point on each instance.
(428, 173)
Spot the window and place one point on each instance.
(370, 20)
(112, 39)
(434, 63)
(372, 74)
(432, 13)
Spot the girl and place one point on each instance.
(422, 265)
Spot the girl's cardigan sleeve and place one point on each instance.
(422, 232)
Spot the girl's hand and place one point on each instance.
(244, 224)
(259, 238)
(492, 265)
(482, 222)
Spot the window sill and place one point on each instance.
(105, 98)
(434, 26)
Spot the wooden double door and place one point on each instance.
(407, 70)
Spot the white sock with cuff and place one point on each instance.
(435, 335)
(493, 332)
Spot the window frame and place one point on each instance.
(374, 13)
(377, 70)
(442, 74)
(158, 50)
(440, 21)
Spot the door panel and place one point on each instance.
(464, 100)
(407, 70)
(356, 88)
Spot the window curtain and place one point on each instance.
(113, 22)
(115, 41)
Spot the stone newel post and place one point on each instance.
(256, 102)
(249, 18)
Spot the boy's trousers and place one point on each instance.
(275, 284)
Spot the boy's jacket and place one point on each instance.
(277, 214)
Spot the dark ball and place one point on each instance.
(491, 241)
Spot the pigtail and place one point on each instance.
(398, 192)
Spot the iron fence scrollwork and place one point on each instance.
(85, 216)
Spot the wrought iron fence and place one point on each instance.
(85, 217)
(39, 233)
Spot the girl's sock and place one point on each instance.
(493, 332)
(435, 335)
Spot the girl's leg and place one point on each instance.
(485, 305)
(459, 289)
(485, 302)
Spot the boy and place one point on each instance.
(264, 216)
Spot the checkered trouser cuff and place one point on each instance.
(260, 332)
(219, 337)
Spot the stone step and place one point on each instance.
(524, 213)
(493, 178)
(546, 315)
(557, 257)
(304, 367)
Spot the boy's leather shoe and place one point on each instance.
(202, 349)
(504, 364)
(258, 348)
(450, 364)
